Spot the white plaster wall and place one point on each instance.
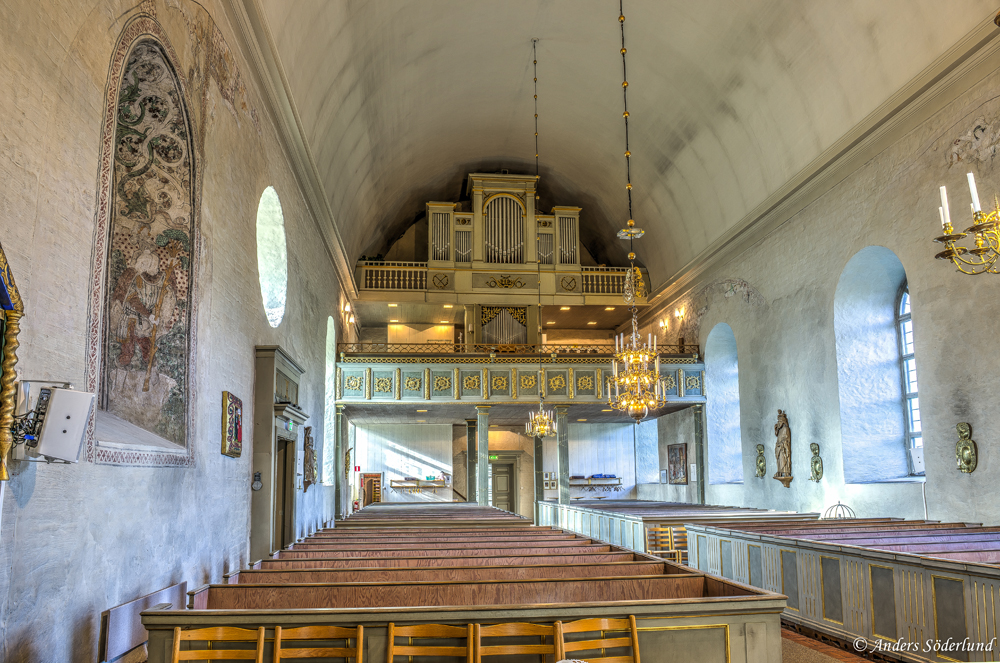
(79, 539)
(674, 428)
(787, 343)
(596, 448)
(401, 450)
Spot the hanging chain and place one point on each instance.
(534, 63)
(628, 154)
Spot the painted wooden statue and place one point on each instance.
(309, 469)
(783, 450)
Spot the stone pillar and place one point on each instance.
(699, 445)
(341, 472)
(562, 453)
(471, 480)
(483, 454)
(539, 475)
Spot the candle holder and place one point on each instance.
(982, 257)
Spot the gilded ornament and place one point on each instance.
(528, 381)
(499, 382)
(585, 383)
(519, 313)
(442, 383)
(440, 281)
(815, 463)
(669, 382)
(505, 282)
(353, 383)
(783, 449)
(692, 382)
(966, 452)
(761, 462)
(412, 384)
(471, 382)
(557, 382)
(13, 310)
(568, 283)
(383, 385)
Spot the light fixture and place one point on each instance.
(637, 389)
(421, 410)
(981, 258)
(394, 321)
(351, 319)
(607, 410)
(581, 419)
(609, 308)
(444, 322)
(591, 323)
(421, 421)
(665, 323)
(551, 322)
(448, 306)
(541, 423)
(392, 305)
(347, 307)
(563, 308)
(679, 313)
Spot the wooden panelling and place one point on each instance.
(319, 562)
(464, 552)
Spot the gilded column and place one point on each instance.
(8, 392)
(368, 384)
(427, 384)
(398, 384)
(456, 387)
(513, 383)
(485, 391)
(571, 385)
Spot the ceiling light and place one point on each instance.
(591, 323)
(394, 321)
(393, 305)
(421, 421)
(551, 322)
(581, 419)
(426, 410)
(607, 410)
(609, 308)
(448, 306)
(563, 308)
(444, 322)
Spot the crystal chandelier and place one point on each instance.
(637, 389)
(981, 258)
(541, 423)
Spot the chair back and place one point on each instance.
(304, 641)
(428, 632)
(543, 649)
(218, 634)
(626, 636)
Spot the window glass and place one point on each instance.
(272, 256)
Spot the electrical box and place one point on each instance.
(64, 424)
(916, 460)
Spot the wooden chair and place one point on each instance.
(215, 634)
(302, 636)
(520, 629)
(660, 542)
(428, 631)
(603, 643)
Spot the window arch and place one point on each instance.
(908, 369)
(866, 321)
(722, 384)
(330, 405)
(272, 256)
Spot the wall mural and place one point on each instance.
(147, 332)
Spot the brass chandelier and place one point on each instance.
(637, 389)
(981, 258)
(541, 423)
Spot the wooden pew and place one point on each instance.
(314, 561)
(458, 552)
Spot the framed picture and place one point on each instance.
(677, 464)
(232, 425)
(546, 475)
(548, 485)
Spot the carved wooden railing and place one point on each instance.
(603, 280)
(485, 349)
(377, 275)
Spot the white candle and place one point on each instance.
(941, 212)
(975, 194)
(944, 206)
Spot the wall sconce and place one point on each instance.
(665, 324)
(351, 319)
(256, 485)
(679, 313)
(347, 307)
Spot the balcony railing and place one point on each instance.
(603, 280)
(606, 349)
(394, 275)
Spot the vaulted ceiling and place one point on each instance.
(729, 100)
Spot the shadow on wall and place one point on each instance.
(722, 383)
(872, 428)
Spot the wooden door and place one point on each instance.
(284, 494)
(503, 486)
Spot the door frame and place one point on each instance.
(507, 457)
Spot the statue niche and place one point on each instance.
(783, 450)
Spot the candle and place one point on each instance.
(944, 207)
(975, 194)
(941, 212)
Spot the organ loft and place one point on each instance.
(500, 330)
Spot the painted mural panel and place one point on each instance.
(147, 333)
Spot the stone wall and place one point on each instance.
(79, 539)
(779, 298)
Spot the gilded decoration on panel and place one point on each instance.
(147, 324)
(232, 425)
(966, 453)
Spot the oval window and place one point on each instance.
(272, 256)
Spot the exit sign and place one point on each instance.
(357, 468)
(493, 456)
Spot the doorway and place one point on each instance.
(284, 494)
(504, 486)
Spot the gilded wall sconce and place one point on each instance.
(815, 464)
(761, 462)
(966, 453)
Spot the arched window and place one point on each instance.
(866, 322)
(722, 384)
(908, 368)
(272, 256)
(330, 406)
